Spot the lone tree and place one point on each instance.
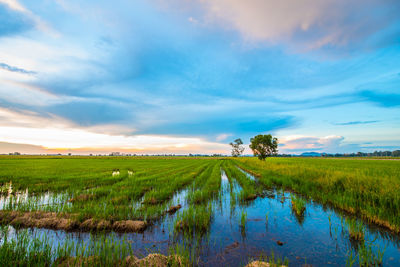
(264, 146)
(237, 148)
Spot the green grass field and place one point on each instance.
(103, 193)
(369, 188)
(85, 182)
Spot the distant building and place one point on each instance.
(115, 154)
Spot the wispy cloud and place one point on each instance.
(355, 122)
(310, 143)
(82, 139)
(55, 133)
(303, 24)
(382, 98)
(38, 22)
(15, 5)
(15, 69)
(12, 20)
(222, 137)
(6, 148)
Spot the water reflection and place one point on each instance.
(25, 200)
(320, 237)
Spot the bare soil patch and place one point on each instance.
(52, 220)
(156, 260)
(174, 209)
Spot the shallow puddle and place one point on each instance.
(251, 177)
(319, 238)
(29, 201)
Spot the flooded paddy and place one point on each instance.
(321, 237)
(30, 201)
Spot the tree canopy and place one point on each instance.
(237, 148)
(264, 146)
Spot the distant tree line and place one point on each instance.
(395, 153)
(264, 146)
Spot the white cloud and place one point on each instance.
(27, 94)
(25, 118)
(52, 137)
(29, 128)
(311, 24)
(298, 143)
(39, 23)
(223, 137)
(14, 4)
(75, 138)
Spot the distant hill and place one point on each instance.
(310, 154)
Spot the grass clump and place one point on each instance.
(298, 205)
(356, 229)
(367, 254)
(272, 260)
(243, 220)
(195, 219)
(24, 250)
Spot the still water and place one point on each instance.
(319, 238)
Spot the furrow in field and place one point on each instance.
(118, 202)
(250, 190)
(366, 189)
(196, 218)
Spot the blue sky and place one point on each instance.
(191, 76)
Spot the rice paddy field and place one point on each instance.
(198, 211)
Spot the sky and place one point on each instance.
(190, 76)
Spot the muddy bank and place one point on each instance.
(52, 220)
(260, 264)
(251, 197)
(174, 209)
(158, 260)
